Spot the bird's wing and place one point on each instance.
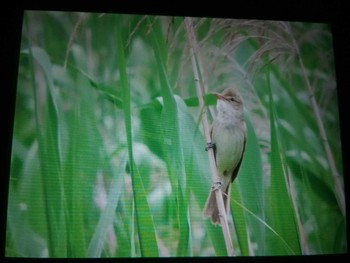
(211, 137)
(235, 171)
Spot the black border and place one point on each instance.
(332, 12)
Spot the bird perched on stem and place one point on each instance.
(228, 139)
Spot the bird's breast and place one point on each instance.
(229, 142)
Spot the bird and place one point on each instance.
(228, 135)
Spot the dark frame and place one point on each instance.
(331, 12)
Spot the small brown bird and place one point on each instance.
(228, 139)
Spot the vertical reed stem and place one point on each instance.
(194, 52)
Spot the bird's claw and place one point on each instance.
(210, 145)
(217, 185)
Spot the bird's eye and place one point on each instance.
(231, 99)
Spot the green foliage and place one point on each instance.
(281, 213)
(108, 155)
(251, 182)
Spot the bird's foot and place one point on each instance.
(216, 185)
(210, 145)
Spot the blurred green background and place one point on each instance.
(108, 154)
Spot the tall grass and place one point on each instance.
(108, 155)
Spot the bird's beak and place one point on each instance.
(219, 96)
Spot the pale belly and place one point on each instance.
(229, 147)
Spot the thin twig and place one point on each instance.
(81, 19)
(218, 193)
(337, 179)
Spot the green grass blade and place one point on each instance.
(195, 160)
(198, 170)
(26, 225)
(82, 162)
(248, 191)
(108, 91)
(280, 214)
(144, 221)
(172, 145)
(106, 219)
(50, 159)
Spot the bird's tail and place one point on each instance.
(211, 209)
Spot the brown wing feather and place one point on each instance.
(235, 171)
(211, 137)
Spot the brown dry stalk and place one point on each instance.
(337, 179)
(82, 17)
(218, 193)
